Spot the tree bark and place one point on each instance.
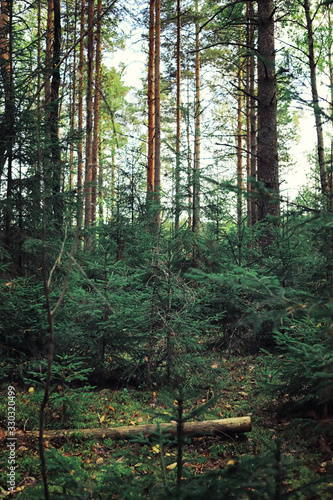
(6, 63)
(89, 117)
(251, 115)
(315, 99)
(96, 111)
(48, 52)
(267, 124)
(197, 138)
(240, 163)
(330, 66)
(178, 119)
(189, 158)
(157, 174)
(54, 117)
(73, 104)
(151, 101)
(80, 102)
(5, 74)
(224, 426)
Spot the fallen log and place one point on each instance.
(225, 426)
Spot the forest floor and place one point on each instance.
(79, 468)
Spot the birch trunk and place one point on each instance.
(315, 99)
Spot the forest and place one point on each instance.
(166, 238)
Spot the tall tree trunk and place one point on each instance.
(251, 114)
(157, 174)
(113, 168)
(6, 62)
(330, 65)
(39, 109)
(54, 117)
(189, 157)
(48, 52)
(101, 181)
(178, 119)
(315, 99)
(197, 138)
(5, 72)
(80, 104)
(240, 163)
(73, 104)
(267, 126)
(96, 111)
(151, 102)
(89, 117)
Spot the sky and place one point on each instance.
(135, 64)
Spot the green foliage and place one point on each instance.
(23, 324)
(64, 408)
(67, 479)
(306, 368)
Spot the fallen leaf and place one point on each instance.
(99, 461)
(156, 448)
(172, 466)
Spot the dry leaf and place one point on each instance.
(172, 466)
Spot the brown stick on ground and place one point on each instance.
(226, 426)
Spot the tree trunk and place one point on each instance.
(151, 103)
(54, 117)
(189, 158)
(39, 109)
(315, 99)
(48, 52)
(157, 174)
(267, 127)
(73, 104)
(178, 119)
(96, 111)
(6, 62)
(224, 426)
(101, 181)
(89, 117)
(240, 163)
(80, 103)
(330, 65)
(197, 138)
(251, 115)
